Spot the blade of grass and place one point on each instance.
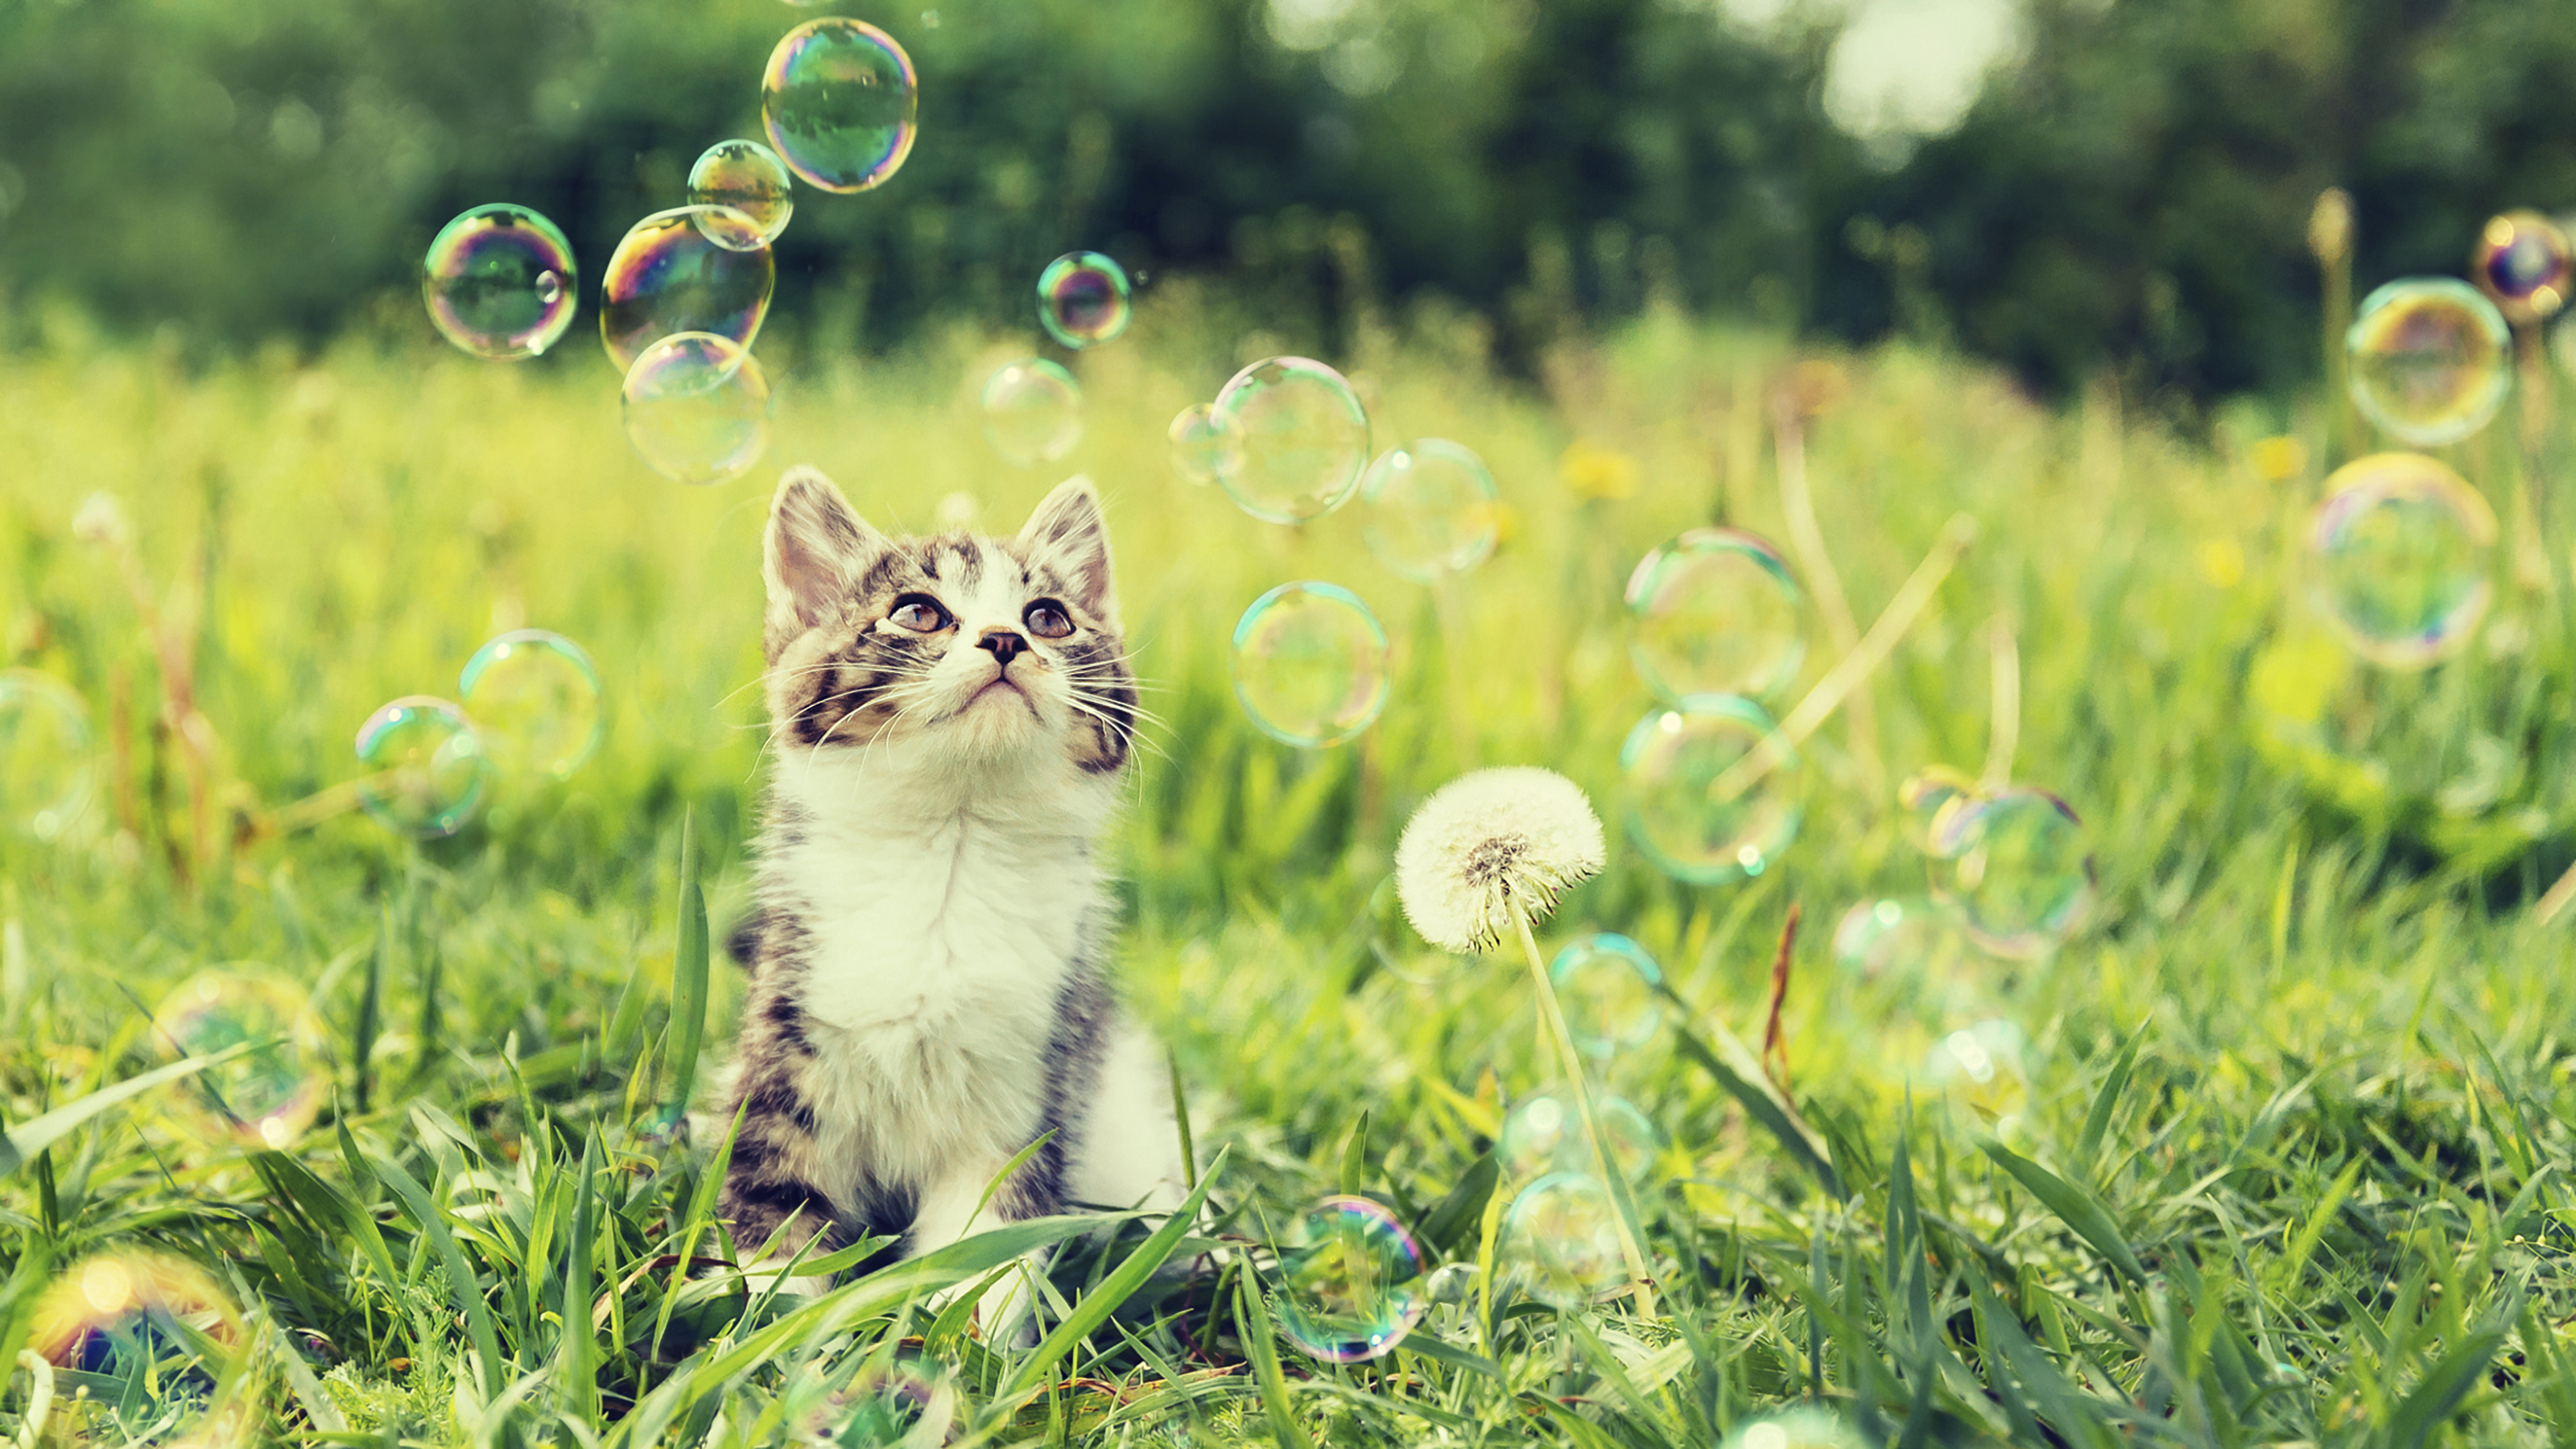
(2078, 1209)
(21, 1143)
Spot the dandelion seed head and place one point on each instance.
(1488, 841)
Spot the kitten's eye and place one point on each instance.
(1046, 619)
(920, 613)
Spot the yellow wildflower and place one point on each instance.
(1595, 472)
(2278, 460)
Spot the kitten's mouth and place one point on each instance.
(1001, 682)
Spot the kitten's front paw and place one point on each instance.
(1002, 1312)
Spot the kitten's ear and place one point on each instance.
(1068, 533)
(816, 551)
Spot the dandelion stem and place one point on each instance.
(1552, 1025)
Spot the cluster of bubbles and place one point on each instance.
(161, 1351)
(528, 708)
(686, 290)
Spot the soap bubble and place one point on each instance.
(671, 274)
(1925, 794)
(1805, 1427)
(1606, 984)
(2017, 867)
(1203, 444)
(426, 769)
(1310, 664)
(2397, 558)
(1688, 807)
(697, 408)
(1428, 509)
(747, 177)
(499, 282)
(46, 765)
(1304, 439)
(162, 1349)
(264, 1098)
(1715, 611)
(1543, 1133)
(1907, 935)
(1983, 1066)
(1032, 412)
(1082, 299)
(1350, 1281)
(2523, 263)
(839, 100)
(2428, 359)
(534, 696)
(1560, 1241)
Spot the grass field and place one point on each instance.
(2290, 1162)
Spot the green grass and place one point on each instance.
(2290, 1165)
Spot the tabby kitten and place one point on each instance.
(930, 949)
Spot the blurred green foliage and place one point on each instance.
(2131, 190)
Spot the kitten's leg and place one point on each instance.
(948, 1215)
(1127, 1151)
(772, 1176)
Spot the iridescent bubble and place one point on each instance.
(1032, 412)
(1304, 439)
(1925, 794)
(1310, 664)
(2428, 358)
(2397, 558)
(1983, 1066)
(839, 100)
(697, 408)
(499, 282)
(425, 766)
(669, 275)
(1805, 1427)
(2019, 870)
(266, 1097)
(47, 766)
(1428, 509)
(161, 1348)
(1693, 803)
(747, 177)
(1082, 299)
(1203, 444)
(1350, 1281)
(1543, 1133)
(1560, 1241)
(1606, 984)
(534, 697)
(1715, 611)
(2524, 264)
(1902, 935)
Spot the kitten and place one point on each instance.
(929, 994)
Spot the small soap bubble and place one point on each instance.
(1203, 444)
(1606, 984)
(499, 282)
(162, 1349)
(1693, 803)
(1427, 509)
(1032, 412)
(669, 275)
(697, 408)
(1901, 935)
(47, 765)
(1450, 1283)
(534, 697)
(1715, 611)
(839, 100)
(1543, 1133)
(2018, 869)
(1350, 1281)
(2523, 263)
(1082, 299)
(1560, 1241)
(746, 177)
(1304, 439)
(2397, 558)
(2428, 358)
(1310, 664)
(1804, 1427)
(426, 769)
(266, 1097)
(1924, 795)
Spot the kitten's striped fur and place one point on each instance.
(929, 950)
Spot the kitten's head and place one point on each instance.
(984, 648)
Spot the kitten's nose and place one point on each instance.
(1005, 644)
